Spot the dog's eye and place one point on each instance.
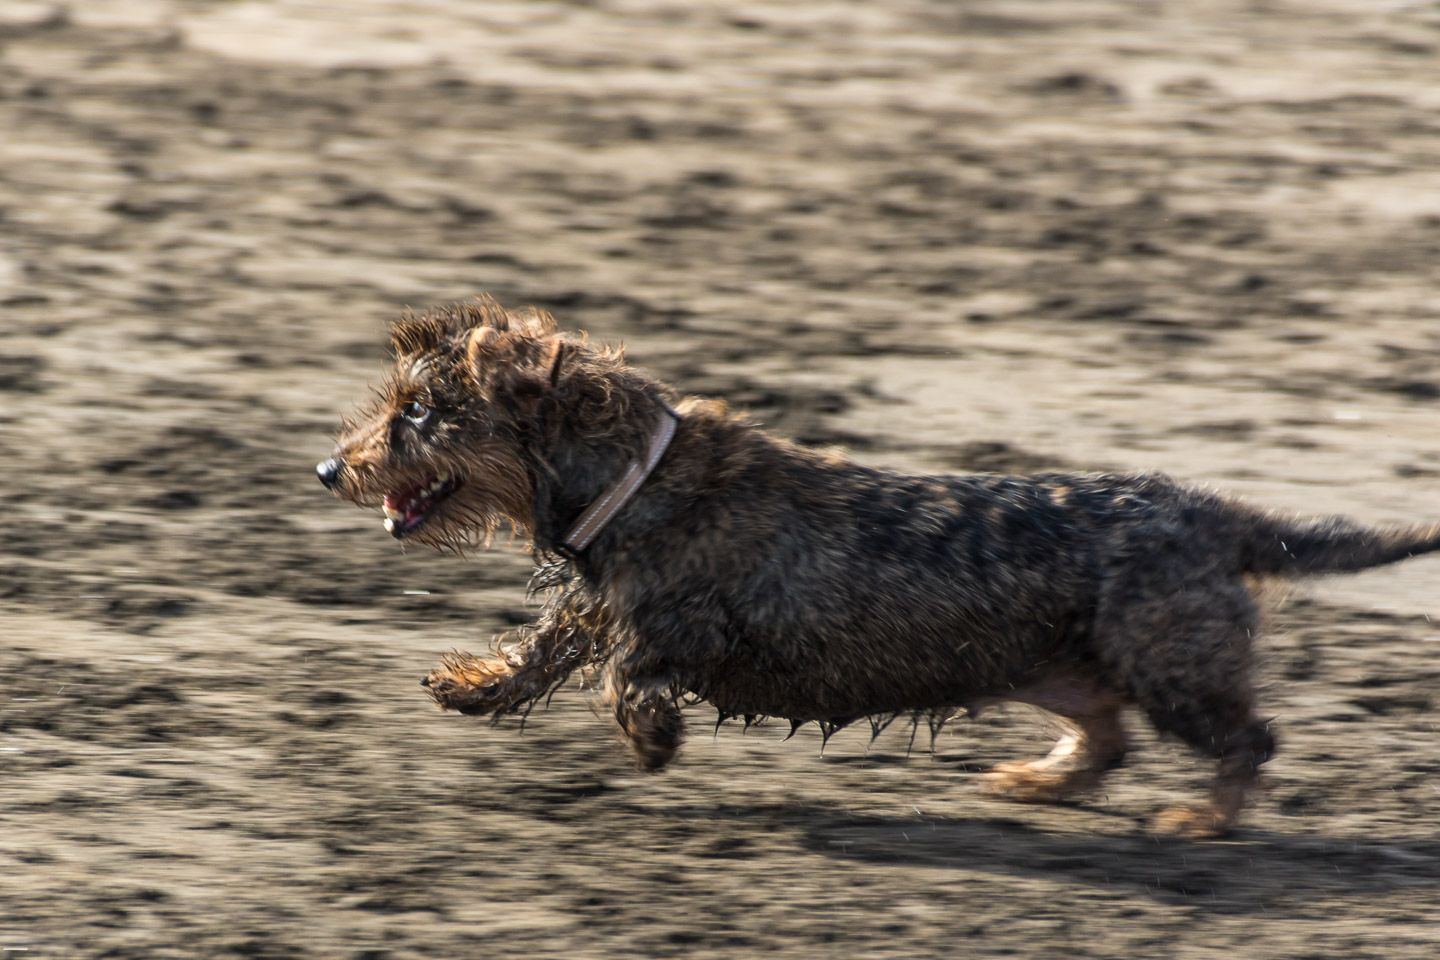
(416, 412)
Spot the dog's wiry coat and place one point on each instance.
(775, 580)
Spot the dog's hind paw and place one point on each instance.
(1196, 821)
(1033, 783)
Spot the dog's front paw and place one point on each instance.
(654, 749)
(468, 685)
(654, 732)
(451, 695)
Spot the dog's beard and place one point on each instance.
(448, 502)
(462, 520)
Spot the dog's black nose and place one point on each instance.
(329, 472)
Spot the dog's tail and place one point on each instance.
(1281, 546)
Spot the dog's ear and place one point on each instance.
(530, 383)
(489, 349)
(525, 368)
(559, 353)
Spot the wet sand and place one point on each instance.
(989, 236)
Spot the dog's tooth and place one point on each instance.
(389, 525)
(392, 514)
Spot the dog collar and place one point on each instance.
(613, 500)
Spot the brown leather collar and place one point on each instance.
(613, 500)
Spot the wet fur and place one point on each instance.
(775, 580)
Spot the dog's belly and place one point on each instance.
(846, 687)
(752, 701)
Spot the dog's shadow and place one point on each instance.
(1253, 871)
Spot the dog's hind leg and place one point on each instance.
(1183, 650)
(1241, 751)
(1093, 742)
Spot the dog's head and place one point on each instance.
(445, 449)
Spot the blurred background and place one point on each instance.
(1005, 235)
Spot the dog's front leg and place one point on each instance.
(646, 708)
(517, 675)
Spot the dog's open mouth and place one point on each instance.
(406, 511)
